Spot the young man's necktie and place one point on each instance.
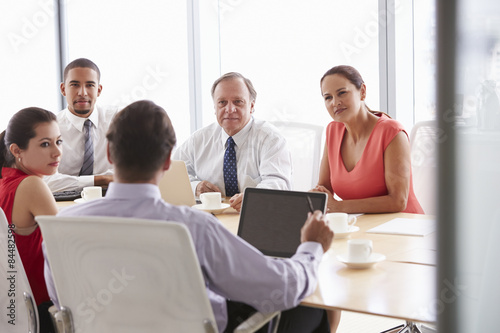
(88, 156)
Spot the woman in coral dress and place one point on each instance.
(366, 165)
(366, 161)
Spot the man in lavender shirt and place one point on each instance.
(238, 277)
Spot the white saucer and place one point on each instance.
(374, 258)
(339, 235)
(223, 206)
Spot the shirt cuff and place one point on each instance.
(194, 184)
(313, 248)
(86, 181)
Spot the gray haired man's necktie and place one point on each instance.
(88, 156)
(230, 170)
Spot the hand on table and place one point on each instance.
(205, 186)
(103, 180)
(332, 203)
(317, 230)
(236, 201)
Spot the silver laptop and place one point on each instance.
(271, 220)
(175, 187)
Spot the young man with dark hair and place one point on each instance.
(83, 127)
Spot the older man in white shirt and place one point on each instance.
(238, 151)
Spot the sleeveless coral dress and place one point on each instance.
(367, 179)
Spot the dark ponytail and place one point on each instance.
(3, 150)
(20, 130)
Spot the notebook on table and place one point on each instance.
(408, 227)
(271, 220)
(175, 187)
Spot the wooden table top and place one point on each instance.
(402, 286)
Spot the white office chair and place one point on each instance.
(126, 275)
(19, 311)
(423, 142)
(304, 142)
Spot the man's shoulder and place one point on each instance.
(63, 114)
(188, 214)
(208, 131)
(64, 121)
(76, 210)
(199, 223)
(103, 111)
(265, 128)
(160, 210)
(107, 112)
(213, 127)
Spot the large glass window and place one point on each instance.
(28, 60)
(141, 50)
(285, 47)
(424, 45)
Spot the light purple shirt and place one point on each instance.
(232, 268)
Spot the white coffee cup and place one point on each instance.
(339, 222)
(91, 193)
(359, 250)
(211, 200)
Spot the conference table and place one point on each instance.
(402, 286)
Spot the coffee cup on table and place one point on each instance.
(91, 193)
(359, 250)
(211, 200)
(340, 222)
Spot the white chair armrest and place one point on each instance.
(62, 319)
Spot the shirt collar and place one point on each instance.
(78, 122)
(240, 137)
(132, 191)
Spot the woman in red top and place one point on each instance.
(366, 161)
(30, 148)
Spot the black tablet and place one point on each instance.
(271, 220)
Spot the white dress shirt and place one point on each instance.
(232, 268)
(262, 156)
(73, 136)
